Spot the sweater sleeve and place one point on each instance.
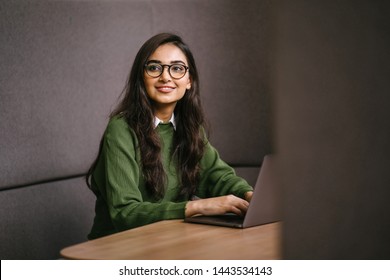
(218, 178)
(121, 186)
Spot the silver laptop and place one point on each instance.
(264, 207)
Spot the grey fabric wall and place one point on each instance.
(63, 65)
(333, 130)
(37, 221)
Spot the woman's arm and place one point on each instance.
(221, 189)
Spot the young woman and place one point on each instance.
(154, 155)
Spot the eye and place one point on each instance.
(178, 68)
(153, 67)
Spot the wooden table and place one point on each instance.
(175, 239)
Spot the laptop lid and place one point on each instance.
(264, 206)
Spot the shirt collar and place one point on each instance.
(157, 121)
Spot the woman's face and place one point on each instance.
(164, 90)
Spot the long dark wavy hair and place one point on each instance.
(189, 140)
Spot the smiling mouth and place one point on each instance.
(165, 89)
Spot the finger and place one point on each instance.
(248, 196)
(239, 208)
(238, 201)
(243, 204)
(236, 211)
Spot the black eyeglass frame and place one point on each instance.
(169, 69)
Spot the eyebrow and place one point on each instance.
(172, 62)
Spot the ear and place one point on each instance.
(189, 83)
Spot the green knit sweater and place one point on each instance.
(122, 201)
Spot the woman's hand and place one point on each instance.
(217, 206)
(248, 196)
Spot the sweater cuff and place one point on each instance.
(176, 211)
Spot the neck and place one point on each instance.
(164, 113)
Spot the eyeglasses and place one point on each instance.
(177, 71)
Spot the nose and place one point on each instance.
(165, 76)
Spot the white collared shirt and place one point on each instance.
(157, 121)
